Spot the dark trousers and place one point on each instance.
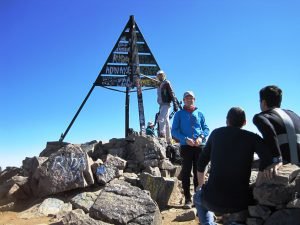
(190, 156)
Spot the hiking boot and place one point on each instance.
(188, 204)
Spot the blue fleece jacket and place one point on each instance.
(189, 124)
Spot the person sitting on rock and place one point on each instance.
(230, 151)
(150, 129)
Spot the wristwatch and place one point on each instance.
(277, 159)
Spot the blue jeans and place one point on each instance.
(205, 217)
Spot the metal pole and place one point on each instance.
(62, 137)
(127, 112)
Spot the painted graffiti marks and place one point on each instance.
(120, 58)
(68, 168)
(122, 47)
(125, 82)
(116, 81)
(146, 82)
(116, 70)
(149, 70)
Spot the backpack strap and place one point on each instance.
(291, 134)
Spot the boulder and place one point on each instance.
(279, 190)
(78, 217)
(120, 203)
(84, 200)
(165, 191)
(67, 169)
(52, 147)
(284, 217)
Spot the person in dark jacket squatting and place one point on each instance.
(280, 128)
(230, 151)
(190, 128)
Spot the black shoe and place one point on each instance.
(188, 204)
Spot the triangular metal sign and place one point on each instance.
(117, 70)
(130, 65)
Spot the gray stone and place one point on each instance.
(165, 164)
(9, 172)
(187, 215)
(259, 211)
(121, 203)
(254, 221)
(84, 200)
(53, 206)
(279, 190)
(153, 171)
(88, 147)
(15, 188)
(67, 169)
(165, 191)
(116, 161)
(78, 217)
(284, 217)
(52, 147)
(294, 203)
(131, 178)
(29, 165)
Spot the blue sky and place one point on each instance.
(52, 51)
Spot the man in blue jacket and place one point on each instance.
(190, 129)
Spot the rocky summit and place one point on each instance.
(131, 180)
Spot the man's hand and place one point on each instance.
(198, 141)
(268, 173)
(272, 170)
(190, 142)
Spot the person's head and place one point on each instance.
(269, 97)
(189, 98)
(236, 117)
(160, 75)
(150, 124)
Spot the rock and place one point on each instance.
(165, 191)
(67, 169)
(14, 189)
(78, 217)
(112, 168)
(165, 164)
(259, 211)
(187, 215)
(120, 203)
(84, 200)
(284, 217)
(52, 147)
(153, 171)
(254, 221)
(9, 172)
(29, 165)
(294, 204)
(279, 190)
(131, 178)
(8, 207)
(53, 206)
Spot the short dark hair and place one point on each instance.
(236, 117)
(272, 95)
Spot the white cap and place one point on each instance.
(188, 93)
(150, 124)
(160, 72)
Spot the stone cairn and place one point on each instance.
(125, 181)
(128, 181)
(277, 200)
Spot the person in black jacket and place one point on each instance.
(272, 127)
(230, 151)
